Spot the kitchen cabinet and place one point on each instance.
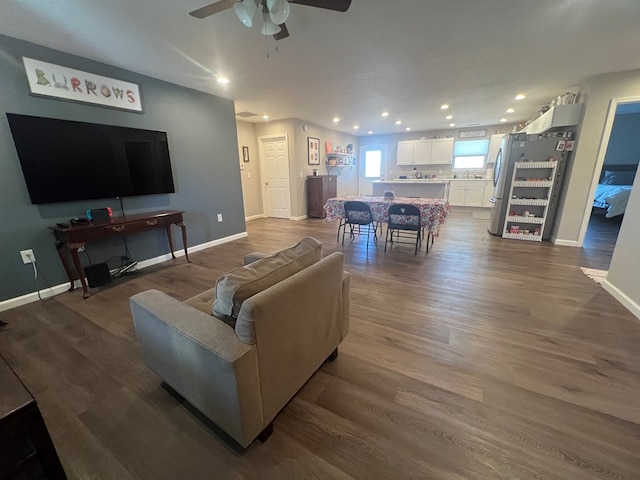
(494, 145)
(405, 153)
(434, 151)
(441, 151)
(531, 189)
(466, 193)
(320, 188)
(556, 117)
(488, 194)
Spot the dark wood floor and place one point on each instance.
(485, 359)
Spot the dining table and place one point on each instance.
(433, 211)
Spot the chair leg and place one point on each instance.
(333, 355)
(417, 242)
(266, 433)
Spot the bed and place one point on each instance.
(613, 190)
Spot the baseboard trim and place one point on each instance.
(254, 217)
(564, 243)
(623, 298)
(297, 219)
(49, 292)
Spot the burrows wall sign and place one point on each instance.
(61, 82)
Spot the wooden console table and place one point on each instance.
(76, 236)
(26, 449)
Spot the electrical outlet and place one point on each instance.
(219, 217)
(27, 256)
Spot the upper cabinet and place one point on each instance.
(425, 152)
(556, 117)
(405, 153)
(494, 146)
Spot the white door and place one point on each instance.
(275, 161)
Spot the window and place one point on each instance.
(470, 153)
(373, 163)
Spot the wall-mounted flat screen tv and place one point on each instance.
(65, 161)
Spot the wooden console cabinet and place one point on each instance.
(26, 449)
(75, 236)
(320, 188)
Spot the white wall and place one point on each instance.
(250, 171)
(625, 264)
(299, 168)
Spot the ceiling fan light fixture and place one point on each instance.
(268, 26)
(245, 10)
(278, 11)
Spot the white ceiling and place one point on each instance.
(404, 56)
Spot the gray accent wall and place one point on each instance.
(203, 145)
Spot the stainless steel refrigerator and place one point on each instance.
(518, 147)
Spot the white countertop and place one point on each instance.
(431, 180)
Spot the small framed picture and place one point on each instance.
(560, 146)
(568, 145)
(313, 151)
(245, 154)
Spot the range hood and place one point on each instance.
(556, 117)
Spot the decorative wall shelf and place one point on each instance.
(338, 160)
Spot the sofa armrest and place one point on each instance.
(203, 360)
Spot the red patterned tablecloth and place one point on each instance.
(433, 211)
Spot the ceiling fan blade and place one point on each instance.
(337, 5)
(283, 33)
(209, 10)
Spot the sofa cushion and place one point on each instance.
(236, 286)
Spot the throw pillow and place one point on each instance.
(236, 286)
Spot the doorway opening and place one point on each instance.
(616, 167)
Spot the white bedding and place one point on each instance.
(612, 197)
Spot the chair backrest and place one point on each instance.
(404, 216)
(357, 212)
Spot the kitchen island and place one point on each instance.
(460, 192)
(413, 187)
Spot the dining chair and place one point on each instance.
(357, 215)
(403, 223)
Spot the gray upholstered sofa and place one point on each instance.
(278, 319)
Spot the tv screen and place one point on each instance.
(65, 161)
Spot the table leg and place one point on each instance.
(183, 227)
(60, 247)
(170, 237)
(73, 248)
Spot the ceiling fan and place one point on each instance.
(274, 12)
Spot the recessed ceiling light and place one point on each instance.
(223, 80)
(503, 119)
(449, 117)
(510, 110)
(408, 129)
(336, 119)
(370, 132)
(398, 122)
(520, 96)
(356, 127)
(444, 107)
(265, 117)
(452, 124)
(385, 114)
